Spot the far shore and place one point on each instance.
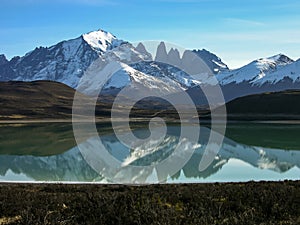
(107, 120)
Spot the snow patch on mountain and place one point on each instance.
(291, 71)
(163, 85)
(120, 79)
(126, 53)
(101, 40)
(136, 79)
(162, 70)
(155, 76)
(100, 73)
(256, 72)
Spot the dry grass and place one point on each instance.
(232, 203)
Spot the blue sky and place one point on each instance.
(238, 31)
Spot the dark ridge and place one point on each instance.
(269, 105)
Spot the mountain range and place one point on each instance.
(67, 61)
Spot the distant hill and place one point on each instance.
(53, 100)
(40, 100)
(270, 105)
(34, 100)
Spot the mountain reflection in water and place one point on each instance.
(48, 152)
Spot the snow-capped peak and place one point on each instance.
(281, 59)
(255, 71)
(101, 40)
(272, 62)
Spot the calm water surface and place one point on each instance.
(48, 152)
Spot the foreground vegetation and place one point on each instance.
(229, 203)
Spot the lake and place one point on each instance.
(48, 152)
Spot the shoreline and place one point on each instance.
(10, 182)
(105, 120)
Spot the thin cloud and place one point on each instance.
(282, 36)
(243, 22)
